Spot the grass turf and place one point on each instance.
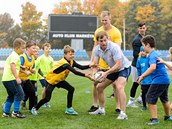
(55, 118)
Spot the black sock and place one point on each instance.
(154, 119)
(133, 89)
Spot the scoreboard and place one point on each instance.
(71, 26)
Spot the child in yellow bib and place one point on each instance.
(56, 78)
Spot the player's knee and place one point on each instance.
(99, 89)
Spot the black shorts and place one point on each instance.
(123, 73)
(157, 91)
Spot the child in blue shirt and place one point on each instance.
(167, 64)
(142, 66)
(160, 82)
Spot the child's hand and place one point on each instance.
(92, 65)
(18, 80)
(139, 79)
(89, 77)
(32, 71)
(28, 73)
(44, 76)
(160, 60)
(23, 67)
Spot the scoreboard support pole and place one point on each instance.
(77, 44)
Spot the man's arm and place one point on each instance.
(96, 61)
(115, 68)
(92, 53)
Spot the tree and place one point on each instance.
(13, 33)
(166, 17)
(148, 11)
(31, 23)
(91, 7)
(145, 14)
(68, 7)
(6, 23)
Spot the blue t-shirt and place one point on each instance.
(142, 66)
(159, 75)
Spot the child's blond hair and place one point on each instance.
(46, 44)
(30, 44)
(68, 49)
(18, 42)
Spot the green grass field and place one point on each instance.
(55, 118)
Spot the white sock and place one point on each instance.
(122, 112)
(102, 109)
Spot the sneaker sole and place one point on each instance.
(132, 106)
(71, 113)
(126, 118)
(5, 116)
(13, 116)
(91, 113)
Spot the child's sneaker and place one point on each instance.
(44, 105)
(131, 104)
(122, 116)
(139, 100)
(5, 114)
(47, 105)
(17, 115)
(144, 109)
(153, 122)
(167, 118)
(117, 111)
(71, 111)
(93, 108)
(111, 96)
(99, 111)
(34, 111)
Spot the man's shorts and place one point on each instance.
(123, 73)
(157, 91)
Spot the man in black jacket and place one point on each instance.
(136, 44)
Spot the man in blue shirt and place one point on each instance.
(160, 82)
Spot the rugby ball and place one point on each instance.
(98, 77)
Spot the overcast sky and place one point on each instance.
(13, 7)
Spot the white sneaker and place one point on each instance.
(34, 111)
(139, 100)
(131, 104)
(99, 111)
(122, 116)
